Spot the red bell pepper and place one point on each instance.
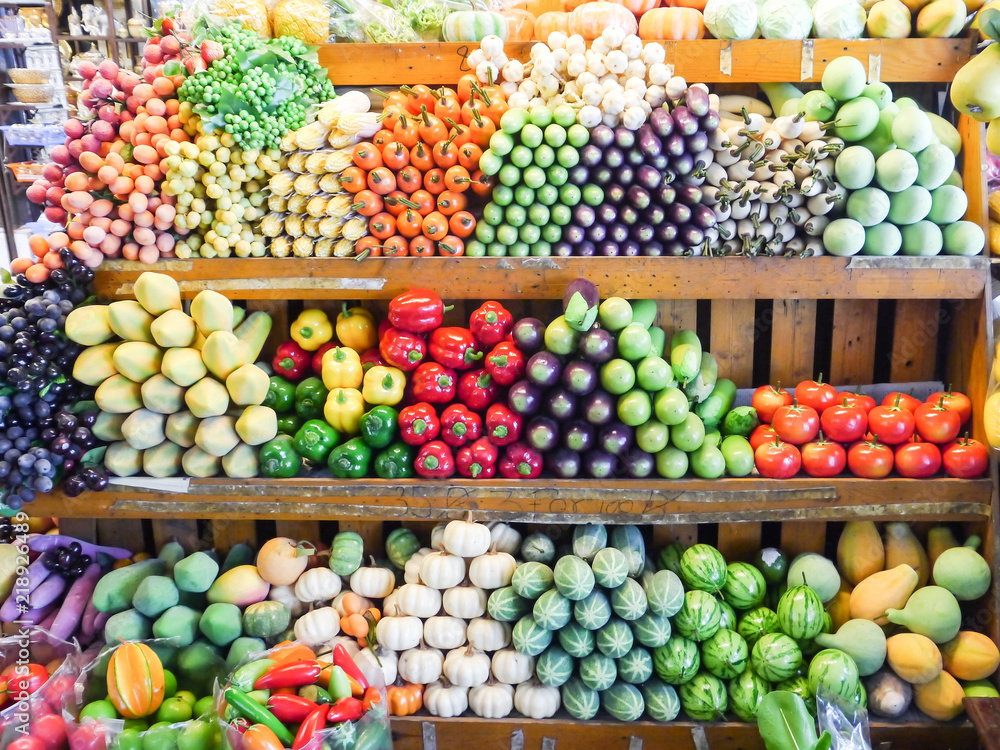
(454, 347)
(491, 323)
(460, 426)
(478, 390)
(477, 460)
(343, 660)
(292, 674)
(291, 361)
(346, 709)
(418, 424)
(417, 311)
(384, 326)
(520, 461)
(317, 360)
(290, 708)
(503, 426)
(403, 350)
(506, 363)
(313, 723)
(434, 460)
(371, 358)
(434, 383)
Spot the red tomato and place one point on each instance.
(37, 675)
(843, 422)
(863, 400)
(51, 730)
(955, 401)
(30, 743)
(905, 401)
(777, 460)
(797, 424)
(823, 458)
(870, 460)
(892, 425)
(767, 399)
(918, 460)
(56, 689)
(816, 393)
(937, 423)
(966, 459)
(91, 736)
(763, 433)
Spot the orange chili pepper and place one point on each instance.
(356, 689)
(371, 699)
(290, 651)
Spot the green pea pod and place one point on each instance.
(248, 674)
(258, 714)
(340, 686)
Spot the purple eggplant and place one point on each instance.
(613, 157)
(675, 248)
(560, 404)
(590, 155)
(573, 234)
(598, 407)
(647, 177)
(608, 249)
(642, 232)
(602, 136)
(703, 217)
(542, 433)
(543, 369)
(606, 213)
(652, 249)
(585, 249)
(630, 248)
(562, 249)
(625, 174)
(525, 398)
(580, 301)
(624, 138)
(563, 463)
(711, 121)
(660, 122)
(638, 464)
(689, 195)
(597, 345)
(696, 100)
(628, 215)
(615, 193)
(674, 145)
(685, 121)
(648, 142)
(697, 142)
(638, 197)
(683, 164)
(615, 438)
(529, 334)
(578, 436)
(659, 162)
(579, 175)
(584, 215)
(678, 213)
(634, 157)
(665, 195)
(654, 214)
(602, 175)
(597, 232)
(617, 232)
(579, 377)
(691, 236)
(666, 231)
(599, 464)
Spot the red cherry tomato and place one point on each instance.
(955, 401)
(843, 422)
(863, 400)
(56, 688)
(763, 433)
(823, 458)
(892, 425)
(767, 399)
(777, 460)
(937, 423)
(50, 729)
(918, 460)
(34, 743)
(906, 401)
(797, 424)
(966, 459)
(816, 393)
(870, 460)
(36, 676)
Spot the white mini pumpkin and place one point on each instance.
(411, 572)
(535, 700)
(390, 608)
(493, 570)
(381, 658)
(317, 585)
(466, 667)
(286, 595)
(505, 538)
(464, 601)
(445, 700)
(437, 536)
(440, 570)
(444, 632)
(492, 700)
(399, 633)
(466, 538)
(418, 600)
(512, 667)
(488, 634)
(318, 626)
(373, 581)
(421, 665)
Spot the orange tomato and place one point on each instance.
(448, 107)
(483, 185)
(462, 224)
(421, 246)
(383, 226)
(395, 155)
(395, 247)
(366, 156)
(409, 179)
(465, 84)
(368, 246)
(469, 155)
(450, 202)
(424, 202)
(457, 179)
(368, 203)
(451, 245)
(431, 128)
(421, 157)
(406, 132)
(395, 202)
(408, 224)
(481, 130)
(445, 153)
(381, 138)
(381, 180)
(435, 226)
(353, 179)
(419, 97)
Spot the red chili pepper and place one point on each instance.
(503, 426)
(505, 363)
(293, 674)
(460, 426)
(477, 390)
(417, 311)
(454, 347)
(434, 460)
(371, 699)
(313, 723)
(371, 358)
(477, 460)
(418, 424)
(491, 323)
(520, 461)
(343, 660)
(346, 709)
(434, 383)
(290, 709)
(317, 360)
(291, 360)
(402, 349)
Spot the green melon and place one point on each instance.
(699, 617)
(628, 540)
(800, 613)
(756, 623)
(745, 587)
(677, 661)
(704, 697)
(729, 619)
(573, 577)
(835, 671)
(529, 637)
(552, 610)
(772, 564)
(817, 572)
(704, 568)
(538, 548)
(610, 567)
(652, 630)
(615, 639)
(623, 701)
(775, 657)
(400, 546)
(598, 671)
(725, 654)
(665, 593)
(662, 703)
(593, 612)
(745, 694)
(532, 579)
(629, 600)
(589, 539)
(580, 701)
(636, 666)
(670, 558)
(506, 605)
(798, 684)
(576, 640)
(554, 667)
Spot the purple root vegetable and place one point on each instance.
(49, 591)
(87, 627)
(46, 624)
(47, 542)
(75, 603)
(34, 616)
(37, 574)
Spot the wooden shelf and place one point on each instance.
(826, 277)
(890, 60)
(542, 500)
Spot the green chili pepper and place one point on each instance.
(340, 686)
(257, 714)
(248, 674)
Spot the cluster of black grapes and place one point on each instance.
(7, 533)
(40, 436)
(68, 561)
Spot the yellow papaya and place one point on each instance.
(122, 460)
(939, 539)
(174, 328)
(940, 698)
(882, 591)
(130, 321)
(222, 354)
(118, 395)
(96, 364)
(217, 435)
(941, 19)
(860, 552)
(183, 366)
(839, 608)
(903, 548)
(970, 656)
(207, 398)
(137, 360)
(157, 292)
(181, 428)
(248, 385)
(915, 658)
(162, 395)
(198, 463)
(212, 312)
(253, 333)
(89, 325)
(163, 460)
(257, 425)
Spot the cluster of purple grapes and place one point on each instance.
(67, 561)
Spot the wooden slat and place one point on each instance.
(83, 527)
(732, 340)
(970, 354)
(682, 533)
(124, 533)
(973, 169)
(227, 532)
(307, 531)
(852, 355)
(738, 541)
(182, 531)
(793, 338)
(914, 341)
(809, 536)
(677, 314)
(371, 532)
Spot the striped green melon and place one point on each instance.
(757, 622)
(529, 637)
(610, 567)
(670, 558)
(636, 666)
(580, 701)
(861, 697)
(725, 654)
(623, 701)
(598, 671)
(662, 703)
(798, 684)
(400, 546)
(577, 641)
(589, 539)
(648, 571)
(703, 568)
(554, 667)
(699, 617)
(615, 639)
(573, 577)
(800, 613)
(652, 630)
(506, 606)
(629, 600)
(833, 670)
(745, 694)
(729, 619)
(775, 657)
(677, 661)
(552, 610)
(665, 593)
(532, 579)
(745, 587)
(538, 548)
(704, 698)
(593, 612)
(628, 540)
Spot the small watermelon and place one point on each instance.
(538, 548)
(636, 666)
(628, 540)
(554, 667)
(593, 612)
(800, 613)
(745, 694)
(775, 657)
(589, 539)
(745, 586)
(699, 617)
(798, 684)
(580, 701)
(610, 567)
(615, 639)
(665, 593)
(552, 610)
(623, 701)
(629, 600)
(704, 697)
(677, 661)
(704, 568)
(532, 579)
(725, 654)
(756, 623)
(662, 703)
(576, 640)
(529, 637)
(728, 620)
(573, 577)
(652, 630)
(772, 564)
(598, 671)
(506, 606)
(670, 558)
(835, 671)
(861, 697)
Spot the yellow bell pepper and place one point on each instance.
(312, 329)
(384, 385)
(343, 410)
(356, 328)
(342, 368)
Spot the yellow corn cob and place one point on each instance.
(302, 247)
(331, 227)
(323, 248)
(280, 247)
(316, 206)
(293, 225)
(311, 226)
(355, 229)
(297, 204)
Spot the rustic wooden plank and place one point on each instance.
(852, 354)
(970, 353)
(793, 337)
(974, 169)
(809, 536)
(738, 541)
(732, 340)
(682, 533)
(674, 315)
(83, 528)
(307, 531)
(227, 532)
(914, 341)
(985, 716)
(371, 532)
(182, 531)
(121, 532)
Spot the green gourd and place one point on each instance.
(963, 571)
(862, 640)
(932, 611)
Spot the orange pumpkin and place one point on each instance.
(405, 698)
(672, 23)
(135, 680)
(520, 24)
(590, 19)
(553, 20)
(639, 7)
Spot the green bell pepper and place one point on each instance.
(310, 398)
(379, 426)
(315, 439)
(278, 458)
(280, 394)
(350, 460)
(289, 424)
(396, 461)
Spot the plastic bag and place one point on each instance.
(425, 17)
(847, 723)
(367, 21)
(306, 20)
